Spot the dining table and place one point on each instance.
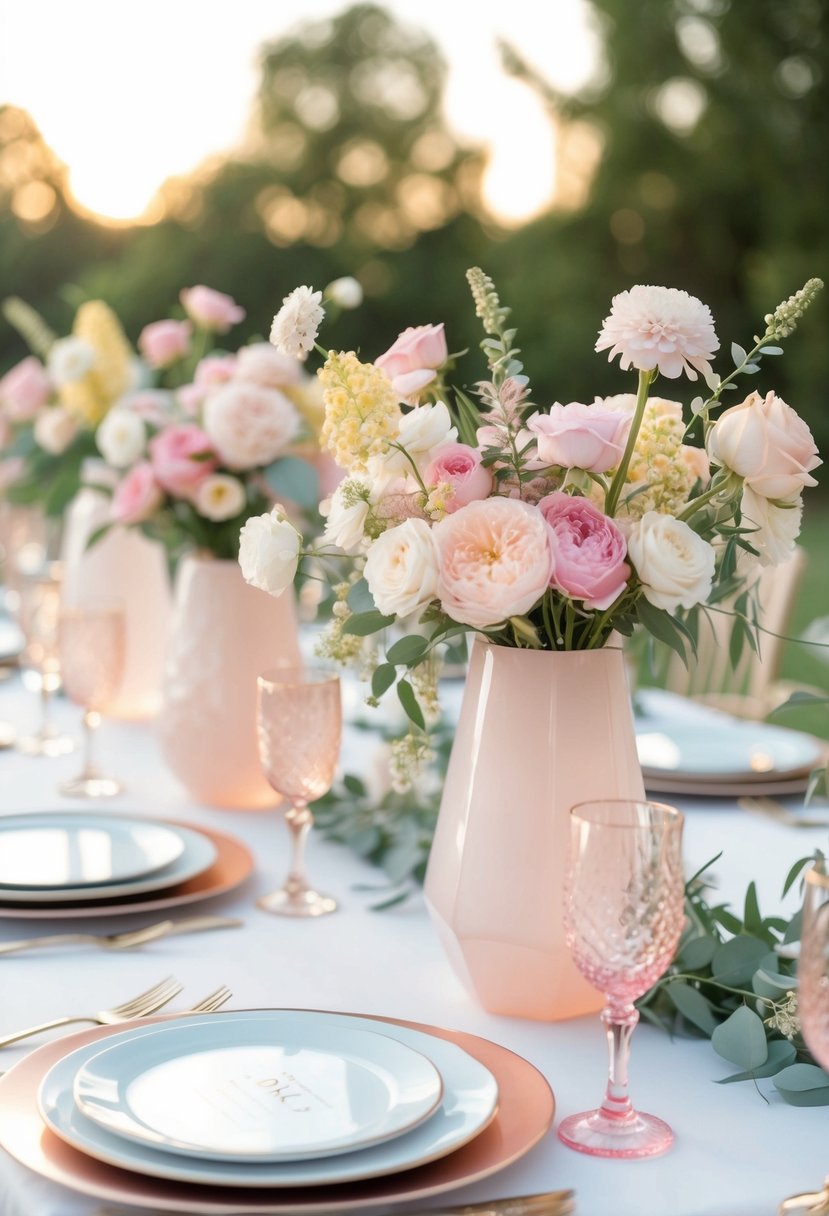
(739, 1149)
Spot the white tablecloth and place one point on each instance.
(735, 1154)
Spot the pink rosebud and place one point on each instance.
(588, 550)
(211, 309)
(768, 444)
(162, 342)
(24, 390)
(182, 456)
(413, 360)
(214, 369)
(459, 466)
(578, 436)
(137, 496)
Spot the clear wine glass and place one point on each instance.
(35, 604)
(299, 715)
(624, 914)
(92, 639)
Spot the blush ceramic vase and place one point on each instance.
(224, 634)
(538, 732)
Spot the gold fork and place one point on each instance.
(139, 1006)
(551, 1203)
(773, 809)
(128, 940)
(212, 1002)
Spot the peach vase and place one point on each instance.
(538, 732)
(224, 634)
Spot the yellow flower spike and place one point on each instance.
(108, 379)
(361, 410)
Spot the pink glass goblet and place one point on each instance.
(624, 913)
(299, 717)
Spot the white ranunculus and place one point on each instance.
(346, 513)
(121, 438)
(55, 429)
(219, 497)
(69, 360)
(777, 527)
(269, 551)
(422, 431)
(675, 566)
(402, 568)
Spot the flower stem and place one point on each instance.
(620, 475)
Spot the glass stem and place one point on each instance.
(299, 820)
(46, 727)
(91, 722)
(620, 1022)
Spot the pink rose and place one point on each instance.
(248, 425)
(182, 456)
(211, 309)
(459, 466)
(137, 496)
(24, 390)
(162, 342)
(261, 363)
(577, 436)
(495, 561)
(588, 550)
(765, 442)
(412, 361)
(212, 371)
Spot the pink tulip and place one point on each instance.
(162, 342)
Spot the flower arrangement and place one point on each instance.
(543, 528)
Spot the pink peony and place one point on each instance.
(588, 550)
(577, 436)
(137, 496)
(261, 363)
(248, 425)
(24, 390)
(162, 342)
(413, 360)
(182, 456)
(768, 444)
(459, 466)
(662, 328)
(495, 561)
(210, 373)
(211, 309)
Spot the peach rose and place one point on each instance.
(578, 436)
(495, 561)
(137, 496)
(412, 361)
(766, 443)
(248, 425)
(459, 467)
(675, 566)
(211, 309)
(588, 549)
(162, 342)
(24, 390)
(182, 456)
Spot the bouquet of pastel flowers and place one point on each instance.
(548, 528)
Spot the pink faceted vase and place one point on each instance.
(539, 731)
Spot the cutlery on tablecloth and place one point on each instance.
(140, 1006)
(126, 941)
(814, 1204)
(549, 1203)
(772, 809)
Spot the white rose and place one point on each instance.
(345, 292)
(121, 438)
(402, 568)
(69, 360)
(219, 497)
(261, 364)
(675, 566)
(422, 431)
(54, 430)
(346, 513)
(269, 552)
(768, 444)
(777, 527)
(249, 425)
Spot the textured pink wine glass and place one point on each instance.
(299, 717)
(813, 964)
(624, 912)
(92, 638)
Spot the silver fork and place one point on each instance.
(141, 1005)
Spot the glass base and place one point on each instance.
(297, 903)
(90, 787)
(46, 744)
(636, 1135)
(8, 735)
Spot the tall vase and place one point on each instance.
(224, 634)
(126, 565)
(538, 732)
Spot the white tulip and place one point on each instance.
(121, 438)
(402, 568)
(269, 552)
(675, 566)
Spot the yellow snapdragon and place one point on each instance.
(361, 410)
(89, 398)
(663, 469)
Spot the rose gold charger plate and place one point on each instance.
(525, 1113)
(232, 866)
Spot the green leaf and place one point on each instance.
(97, 535)
(697, 953)
(359, 598)
(408, 650)
(803, 1085)
(735, 961)
(382, 679)
(738, 354)
(741, 1039)
(354, 785)
(290, 477)
(752, 919)
(772, 984)
(409, 702)
(771, 350)
(781, 1054)
(693, 1006)
(663, 626)
(364, 623)
(793, 873)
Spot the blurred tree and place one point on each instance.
(711, 118)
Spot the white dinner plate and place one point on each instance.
(197, 855)
(273, 1088)
(469, 1103)
(60, 850)
(721, 747)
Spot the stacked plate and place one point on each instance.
(685, 747)
(72, 863)
(273, 1110)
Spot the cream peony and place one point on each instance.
(777, 527)
(402, 569)
(296, 325)
(765, 442)
(675, 566)
(660, 328)
(121, 438)
(219, 497)
(495, 561)
(269, 551)
(248, 425)
(54, 429)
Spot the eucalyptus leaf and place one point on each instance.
(693, 1006)
(408, 650)
(382, 679)
(290, 477)
(354, 784)
(803, 1085)
(408, 700)
(741, 1039)
(359, 598)
(735, 961)
(362, 624)
(738, 354)
(697, 953)
(772, 984)
(781, 1054)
